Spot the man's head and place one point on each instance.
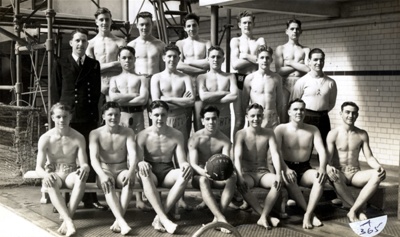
(111, 113)
(255, 114)
(245, 21)
(103, 19)
(264, 57)
(144, 23)
(191, 24)
(61, 115)
(158, 113)
(209, 117)
(79, 42)
(171, 55)
(216, 57)
(126, 56)
(293, 29)
(349, 112)
(316, 60)
(296, 110)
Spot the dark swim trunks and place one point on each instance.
(240, 80)
(299, 167)
(160, 170)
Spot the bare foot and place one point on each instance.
(63, 229)
(352, 216)
(70, 228)
(157, 225)
(264, 223)
(201, 206)
(223, 230)
(184, 205)
(168, 225)
(143, 206)
(245, 206)
(233, 206)
(125, 229)
(115, 227)
(274, 221)
(316, 222)
(307, 222)
(362, 217)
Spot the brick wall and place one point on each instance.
(362, 54)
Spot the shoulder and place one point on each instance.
(77, 135)
(280, 128)
(332, 134)
(362, 133)
(235, 41)
(261, 41)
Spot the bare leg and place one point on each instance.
(197, 125)
(239, 115)
(140, 204)
(115, 206)
(179, 184)
(126, 195)
(310, 219)
(78, 189)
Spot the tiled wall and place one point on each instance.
(362, 54)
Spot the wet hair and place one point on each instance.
(102, 10)
(209, 109)
(108, 105)
(191, 16)
(298, 22)
(79, 30)
(173, 47)
(349, 103)
(254, 106)
(129, 48)
(297, 100)
(158, 104)
(264, 48)
(61, 106)
(316, 50)
(216, 47)
(144, 15)
(245, 13)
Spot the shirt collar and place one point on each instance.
(76, 58)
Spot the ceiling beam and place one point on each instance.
(317, 8)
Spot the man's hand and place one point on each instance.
(333, 173)
(106, 183)
(278, 182)
(144, 168)
(187, 94)
(290, 176)
(242, 185)
(321, 175)
(186, 171)
(49, 180)
(128, 179)
(381, 173)
(83, 172)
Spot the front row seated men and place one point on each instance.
(59, 151)
(202, 145)
(348, 140)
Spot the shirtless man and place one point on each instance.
(348, 140)
(244, 60)
(318, 92)
(193, 59)
(158, 144)
(59, 149)
(148, 48)
(291, 61)
(130, 91)
(104, 48)
(251, 147)
(202, 145)
(174, 88)
(218, 88)
(264, 87)
(113, 156)
(296, 140)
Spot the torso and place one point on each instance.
(255, 148)
(295, 53)
(316, 92)
(209, 145)
(172, 86)
(112, 146)
(248, 46)
(263, 90)
(62, 149)
(218, 82)
(159, 147)
(348, 145)
(148, 55)
(128, 83)
(297, 144)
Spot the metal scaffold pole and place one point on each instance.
(50, 15)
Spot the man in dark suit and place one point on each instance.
(77, 84)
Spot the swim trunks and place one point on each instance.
(349, 172)
(114, 169)
(161, 169)
(257, 174)
(62, 170)
(299, 167)
(132, 117)
(271, 119)
(289, 82)
(225, 124)
(240, 80)
(320, 119)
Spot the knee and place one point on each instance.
(376, 177)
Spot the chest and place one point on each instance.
(146, 50)
(127, 83)
(160, 145)
(256, 143)
(348, 141)
(294, 52)
(194, 49)
(61, 146)
(209, 145)
(248, 46)
(217, 83)
(263, 84)
(112, 143)
(299, 139)
(174, 85)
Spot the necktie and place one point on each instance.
(80, 62)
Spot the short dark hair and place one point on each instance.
(349, 103)
(158, 104)
(171, 46)
(216, 47)
(244, 14)
(60, 106)
(79, 30)
(264, 48)
(254, 106)
(144, 15)
(191, 16)
(298, 22)
(102, 10)
(209, 108)
(295, 101)
(316, 50)
(108, 105)
(129, 48)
